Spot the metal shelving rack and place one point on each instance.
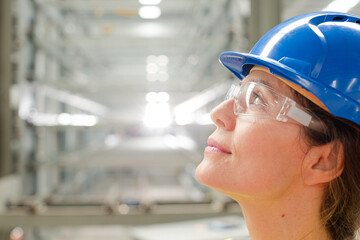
(114, 171)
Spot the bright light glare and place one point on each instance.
(162, 60)
(161, 97)
(156, 68)
(149, 12)
(157, 112)
(149, 2)
(63, 119)
(83, 120)
(183, 117)
(341, 5)
(152, 30)
(152, 68)
(150, 59)
(151, 97)
(157, 115)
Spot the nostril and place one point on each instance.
(219, 123)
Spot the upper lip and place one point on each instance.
(212, 143)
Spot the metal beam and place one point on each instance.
(265, 14)
(103, 215)
(113, 4)
(5, 82)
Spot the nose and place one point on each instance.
(223, 115)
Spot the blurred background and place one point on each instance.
(105, 113)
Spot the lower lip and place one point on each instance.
(210, 149)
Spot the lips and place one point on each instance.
(215, 147)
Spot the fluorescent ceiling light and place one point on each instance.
(157, 115)
(62, 119)
(152, 68)
(162, 60)
(152, 30)
(157, 112)
(160, 97)
(149, 2)
(341, 5)
(149, 12)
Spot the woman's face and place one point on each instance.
(251, 157)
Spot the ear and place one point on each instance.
(323, 163)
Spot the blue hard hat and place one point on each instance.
(318, 51)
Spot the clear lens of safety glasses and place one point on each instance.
(260, 101)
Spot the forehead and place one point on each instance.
(269, 80)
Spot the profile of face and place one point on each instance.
(251, 157)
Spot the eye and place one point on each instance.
(253, 98)
(256, 102)
(256, 99)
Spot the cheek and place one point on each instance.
(264, 159)
(268, 159)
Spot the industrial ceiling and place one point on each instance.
(117, 85)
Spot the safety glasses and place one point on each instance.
(260, 101)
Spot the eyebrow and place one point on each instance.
(262, 81)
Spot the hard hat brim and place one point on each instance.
(241, 63)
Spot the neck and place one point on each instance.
(291, 217)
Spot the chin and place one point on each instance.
(207, 179)
(203, 175)
(199, 173)
(207, 175)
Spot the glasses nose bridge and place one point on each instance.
(240, 96)
(231, 93)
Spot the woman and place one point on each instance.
(287, 143)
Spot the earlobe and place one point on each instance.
(323, 163)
